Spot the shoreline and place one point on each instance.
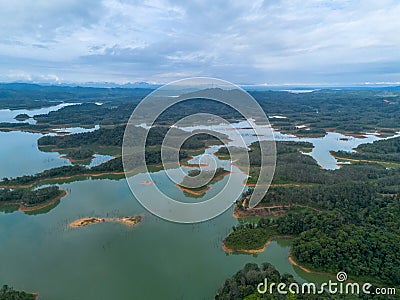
(266, 210)
(252, 251)
(248, 251)
(42, 205)
(128, 221)
(296, 264)
(197, 193)
(200, 192)
(338, 158)
(30, 185)
(72, 160)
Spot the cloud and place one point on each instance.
(335, 41)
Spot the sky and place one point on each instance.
(287, 42)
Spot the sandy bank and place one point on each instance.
(129, 221)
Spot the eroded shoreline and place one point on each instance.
(128, 221)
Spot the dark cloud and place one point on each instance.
(283, 41)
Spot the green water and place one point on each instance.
(154, 260)
(20, 155)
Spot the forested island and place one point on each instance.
(22, 117)
(195, 176)
(28, 200)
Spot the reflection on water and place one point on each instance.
(21, 156)
(332, 141)
(74, 130)
(112, 261)
(155, 260)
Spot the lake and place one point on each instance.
(155, 260)
(7, 115)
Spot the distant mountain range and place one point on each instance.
(152, 86)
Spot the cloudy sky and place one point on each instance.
(253, 42)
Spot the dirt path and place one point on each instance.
(264, 211)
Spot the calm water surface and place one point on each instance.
(154, 260)
(7, 115)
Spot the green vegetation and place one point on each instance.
(80, 154)
(363, 250)
(8, 293)
(32, 96)
(24, 127)
(27, 197)
(243, 285)
(79, 146)
(106, 138)
(192, 184)
(352, 223)
(379, 151)
(22, 117)
(249, 236)
(347, 219)
(13, 199)
(190, 180)
(354, 111)
(102, 137)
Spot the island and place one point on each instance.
(22, 117)
(129, 221)
(30, 200)
(8, 293)
(191, 179)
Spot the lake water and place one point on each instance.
(21, 155)
(332, 141)
(7, 115)
(155, 260)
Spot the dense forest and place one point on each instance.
(30, 96)
(293, 167)
(346, 219)
(195, 177)
(250, 236)
(81, 145)
(114, 136)
(349, 217)
(383, 151)
(243, 286)
(342, 110)
(80, 154)
(11, 199)
(319, 111)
